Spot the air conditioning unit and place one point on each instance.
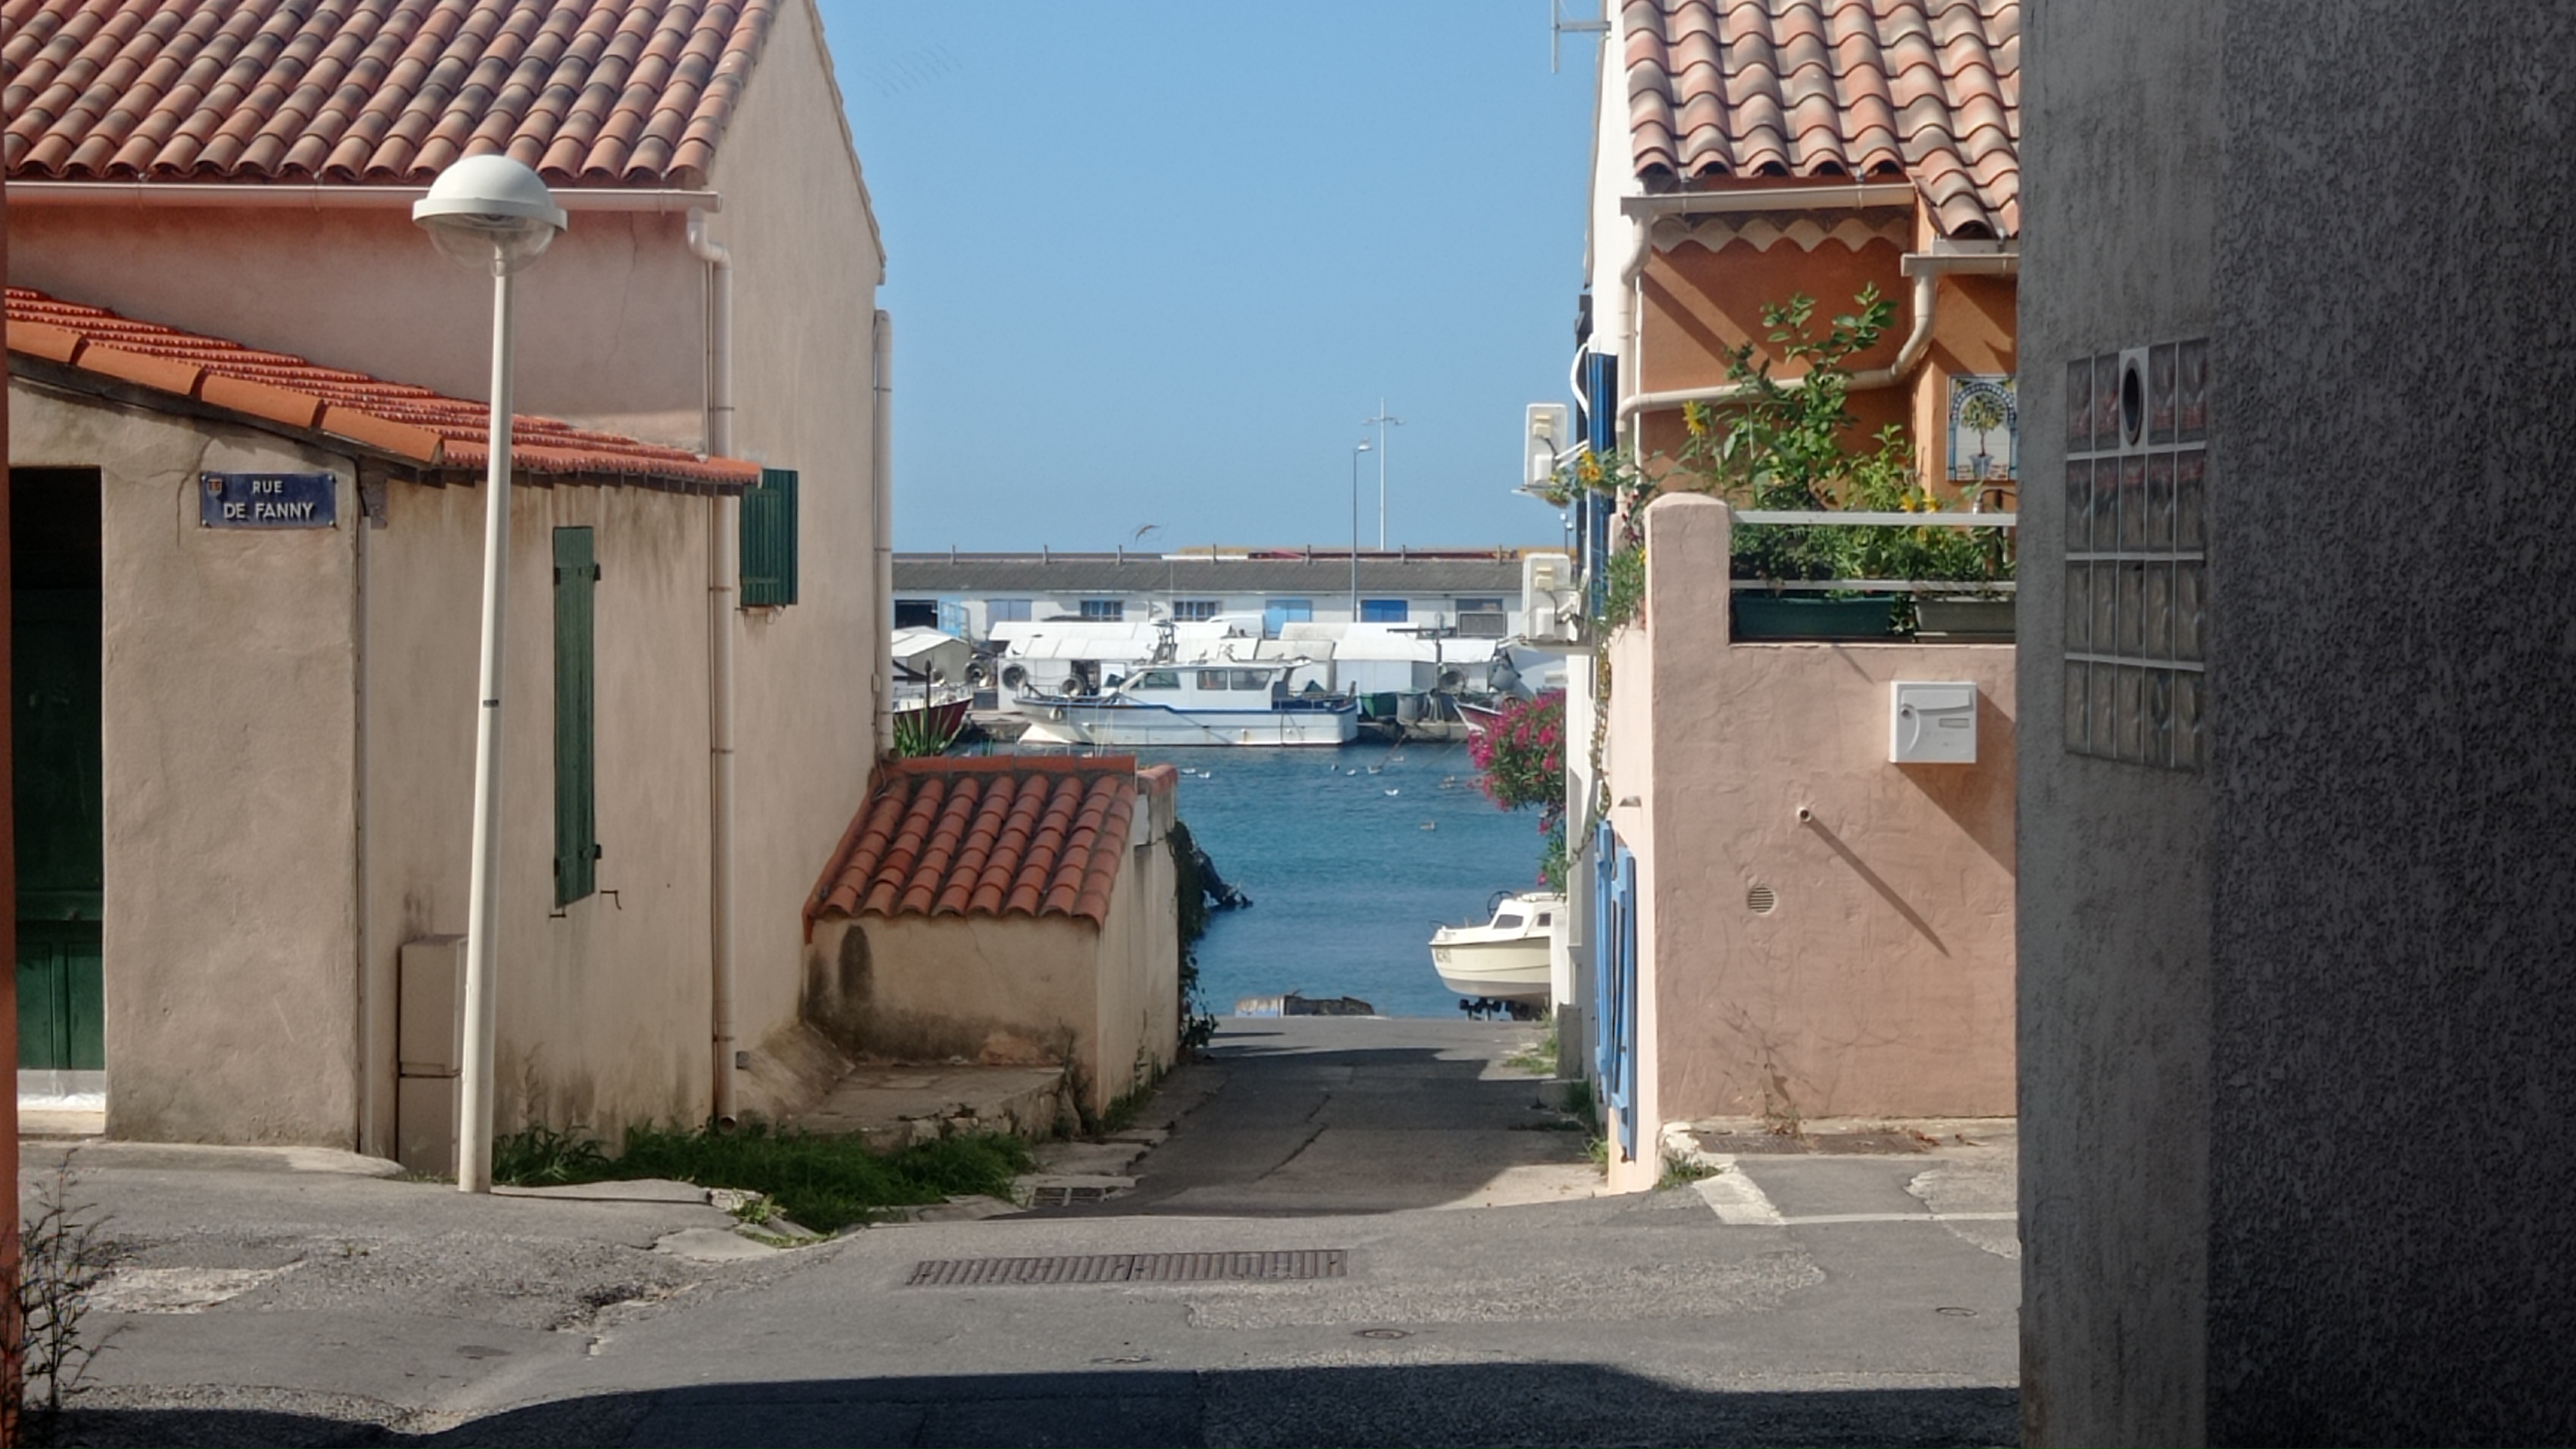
(1547, 432)
(1552, 605)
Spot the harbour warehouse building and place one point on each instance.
(1471, 593)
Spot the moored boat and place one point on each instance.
(1215, 703)
(1505, 960)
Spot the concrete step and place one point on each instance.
(895, 1106)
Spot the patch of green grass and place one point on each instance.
(541, 1156)
(1123, 1109)
(1598, 1149)
(1538, 1058)
(822, 1183)
(827, 1183)
(1578, 1101)
(1679, 1169)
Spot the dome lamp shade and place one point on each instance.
(489, 213)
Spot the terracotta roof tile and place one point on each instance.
(598, 92)
(1926, 89)
(410, 422)
(1025, 835)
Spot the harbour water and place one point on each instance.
(1351, 856)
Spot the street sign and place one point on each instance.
(268, 500)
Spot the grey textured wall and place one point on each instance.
(2119, 168)
(2393, 838)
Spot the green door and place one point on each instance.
(54, 719)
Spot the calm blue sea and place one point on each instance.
(1346, 880)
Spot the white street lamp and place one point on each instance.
(1381, 422)
(1355, 529)
(494, 215)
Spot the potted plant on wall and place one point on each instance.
(1784, 448)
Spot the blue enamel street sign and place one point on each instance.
(267, 500)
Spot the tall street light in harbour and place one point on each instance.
(1355, 528)
(493, 215)
(1381, 422)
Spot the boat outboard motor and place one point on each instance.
(1505, 679)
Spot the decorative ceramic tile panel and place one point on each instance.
(2137, 534)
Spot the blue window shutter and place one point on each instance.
(769, 540)
(576, 772)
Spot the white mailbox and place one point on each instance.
(1932, 723)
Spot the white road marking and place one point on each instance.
(1898, 1218)
(1736, 1199)
(1740, 1202)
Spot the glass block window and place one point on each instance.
(1194, 610)
(2137, 581)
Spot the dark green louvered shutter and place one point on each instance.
(576, 774)
(769, 540)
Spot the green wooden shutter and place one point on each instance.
(769, 540)
(576, 777)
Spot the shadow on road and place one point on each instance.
(1345, 1115)
(1436, 1404)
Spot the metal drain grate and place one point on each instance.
(1068, 1196)
(1133, 1268)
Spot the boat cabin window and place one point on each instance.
(1507, 923)
(1156, 679)
(1234, 679)
(1546, 917)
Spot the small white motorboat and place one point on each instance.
(1505, 960)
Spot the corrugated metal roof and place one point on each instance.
(1321, 577)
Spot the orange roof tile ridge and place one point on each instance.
(401, 419)
(267, 90)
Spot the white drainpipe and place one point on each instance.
(881, 487)
(724, 587)
(1926, 268)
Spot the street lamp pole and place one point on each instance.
(1355, 529)
(495, 215)
(1381, 422)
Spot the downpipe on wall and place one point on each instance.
(881, 489)
(724, 588)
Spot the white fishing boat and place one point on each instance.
(1165, 706)
(1504, 960)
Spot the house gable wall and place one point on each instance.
(805, 273)
(610, 329)
(230, 926)
(603, 1003)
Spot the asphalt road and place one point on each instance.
(1484, 1295)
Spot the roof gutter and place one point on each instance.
(1643, 211)
(1926, 268)
(326, 196)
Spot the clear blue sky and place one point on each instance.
(1152, 263)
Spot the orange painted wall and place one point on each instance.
(1699, 302)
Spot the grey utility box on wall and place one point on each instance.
(1932, 723)
(429, 1029)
